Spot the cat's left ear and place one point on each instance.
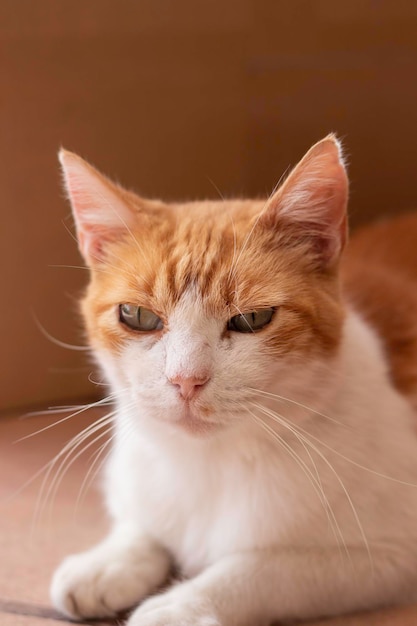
(101, 214)
(311, 205)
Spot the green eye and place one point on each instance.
(250, 322)
(139, 318)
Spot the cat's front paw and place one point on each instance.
(183, 605)
(100, 583)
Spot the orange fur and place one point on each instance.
(379, 274)
(238, 255)
(199, 244)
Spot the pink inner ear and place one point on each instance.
(100, 213)
(314, 200)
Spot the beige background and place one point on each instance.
(167, 96)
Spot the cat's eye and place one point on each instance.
(251, 322)
(139, 318)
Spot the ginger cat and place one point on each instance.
(265, 385)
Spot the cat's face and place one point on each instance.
(194, 307)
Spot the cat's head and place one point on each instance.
(193, 308)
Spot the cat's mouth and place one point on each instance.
(194, 420)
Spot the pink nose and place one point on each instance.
(189, 385)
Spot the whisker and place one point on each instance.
(314, 480)
(244, 318)
(215, 187)
(97, 382)
(68, 449)
(61, 409)
(85, 485)
(71, 234)
(355, 463)
(68, 462)
(80, 267)
(49, 411)
(58, 342)
(284, 422)
(34, 476)
(74, 442)
(90, 476)
(300, 404)
(68, 417)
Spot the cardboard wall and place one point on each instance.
(179, 99)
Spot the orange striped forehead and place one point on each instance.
(218, 251)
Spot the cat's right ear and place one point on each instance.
(99, 211)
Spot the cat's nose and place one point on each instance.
(189, 385)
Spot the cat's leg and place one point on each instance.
(259, 587)
(110, 577)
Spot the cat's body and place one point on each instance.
(276, 469)
(386, 293)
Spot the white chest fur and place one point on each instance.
(242, 489)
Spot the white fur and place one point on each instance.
(259, 536)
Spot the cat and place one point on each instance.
(265, 441)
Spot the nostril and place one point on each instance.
(189, 385)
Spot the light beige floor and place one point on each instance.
(38, 528)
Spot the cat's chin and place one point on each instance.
(191, 422)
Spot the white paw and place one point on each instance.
(101, 583)
(183, 605)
